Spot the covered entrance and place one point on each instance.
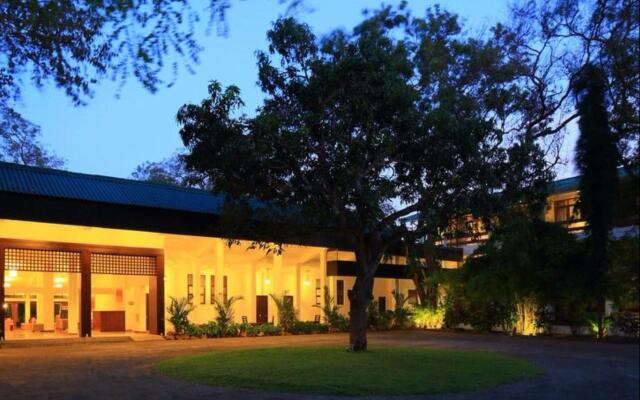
(57, 290)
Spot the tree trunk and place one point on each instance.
(359, 298)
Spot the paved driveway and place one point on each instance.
(575, 369)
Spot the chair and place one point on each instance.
(316, 319)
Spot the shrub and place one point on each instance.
(286, 311)
(428, 317)
(307, 327)
(211, 330)
(194, 330)
(331, 313)
(627, 324)
(225, 312)
(270, 330)
(378, 320)
(401, 314)
(251, 330)
(179, 310)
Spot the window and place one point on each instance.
(224, 288)
(340, 292)
(190, 288)
(564, 210)
(203, 289)
(212, 294)
(318, 290)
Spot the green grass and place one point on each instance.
(332, 370)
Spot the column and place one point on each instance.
(252, 293)
(156, 299)
(46, 312)
(27, 308)
(2, 334)
(219, 267)
(277, 280)
(85, 294)
(323, 273)
(298, 293)
(74, 303)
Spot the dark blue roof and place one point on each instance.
(22, 179)
(564, 185)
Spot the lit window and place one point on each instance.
(190, 288)
(564, 210)
(212, 295)
(203, 289)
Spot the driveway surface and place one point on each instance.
(575, 369)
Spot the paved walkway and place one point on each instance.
(575, 369)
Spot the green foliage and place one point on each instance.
(524, 263)
(401, 313)
(287, 314)
(379, 320)
(627, 324)
(624, 270)
(225, 312)
(179, 310)
(331, 313)
(307, 327)
(428, 317)
(270, 330)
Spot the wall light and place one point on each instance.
(57, 285)
(307, 282)
(59, 279)
(7, 284)
(13, 273)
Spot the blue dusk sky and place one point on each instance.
(121, 128)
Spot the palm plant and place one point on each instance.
(401, 314)
(331, 311)
(225, 312)
(179, 311)
(286, 311)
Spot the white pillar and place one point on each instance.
(47, 302)
(27, 308)
(323, 273)
(277, 282)
(74, 304)
(252, 293)
(219, 268)
(298, 293)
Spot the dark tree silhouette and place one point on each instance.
(597, 160)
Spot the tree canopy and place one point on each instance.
(74, 44)
(360, 129)
(556, 40)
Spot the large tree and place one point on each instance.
(20, 143)
(596, 157)
(74, 44)
(361, 129)
(556, 39)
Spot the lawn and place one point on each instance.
(332, 370)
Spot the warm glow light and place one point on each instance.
(307, 282)
(5, 306)
(57, 285)
(13, 273)
(7, 284)
(59, 279)
(267, 281)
